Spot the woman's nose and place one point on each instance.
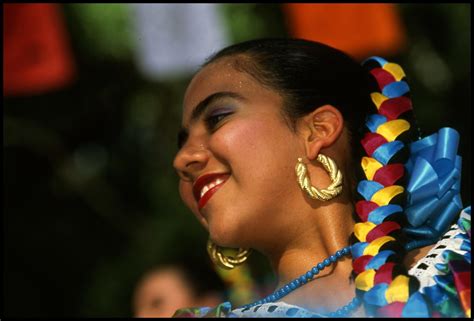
(190, 160)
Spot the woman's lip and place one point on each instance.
(206, 179)
(203, 200)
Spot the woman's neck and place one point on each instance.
(327, 231)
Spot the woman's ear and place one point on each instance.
(321, 128)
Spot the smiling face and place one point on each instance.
(237, 158)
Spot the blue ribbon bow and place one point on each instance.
(434, 171)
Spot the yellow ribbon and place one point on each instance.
(365, 280)
(398, 290)
(362, 229)
(391, 129)
(378, 99)
(370, 166)
(395, 70)
(375, 245)
(385, 195)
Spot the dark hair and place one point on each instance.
(307, 75)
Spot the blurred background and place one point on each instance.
(92, 99)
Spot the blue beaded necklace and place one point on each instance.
(307, 277)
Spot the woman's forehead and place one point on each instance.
(218, 76)
(212, 76)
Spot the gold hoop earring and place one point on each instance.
(305, 183)
(226, 261)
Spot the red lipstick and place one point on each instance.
(203, 181)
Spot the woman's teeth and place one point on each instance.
(211, 185)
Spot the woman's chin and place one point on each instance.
(225, 238)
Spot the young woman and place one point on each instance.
(291, 148)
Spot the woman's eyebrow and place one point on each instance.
(204, 104)
(201, 108)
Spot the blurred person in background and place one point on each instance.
(165, 288)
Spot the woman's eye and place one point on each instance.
(213, 120)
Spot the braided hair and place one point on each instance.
(375, 104)
(378, 250)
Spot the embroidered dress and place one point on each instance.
(444, 275)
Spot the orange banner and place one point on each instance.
(360, 30)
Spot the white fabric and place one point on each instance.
(175, 39)
(275, 310)
(425, 269)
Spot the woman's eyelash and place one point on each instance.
(214, 119)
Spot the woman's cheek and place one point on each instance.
(236, 138)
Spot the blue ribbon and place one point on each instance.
(395, 89)
(374, 121)
(376, 295)
(380, 60)
(378, 215)
(416, 307)
(368, 188)
(357, 249)
(433, 190)
(385, 152)
(379, 260)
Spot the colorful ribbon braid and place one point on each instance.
(381, 280)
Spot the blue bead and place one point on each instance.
(287, 288)
(272, 297)
(320, 266)
(346, 250)
(327, 262)
(315, 270)
(309, 275)
(333, 258)
(297, 282)
(303, 279)
(292, 285)
(339, 254)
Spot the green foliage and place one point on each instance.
(250, 21)
(105, 29)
